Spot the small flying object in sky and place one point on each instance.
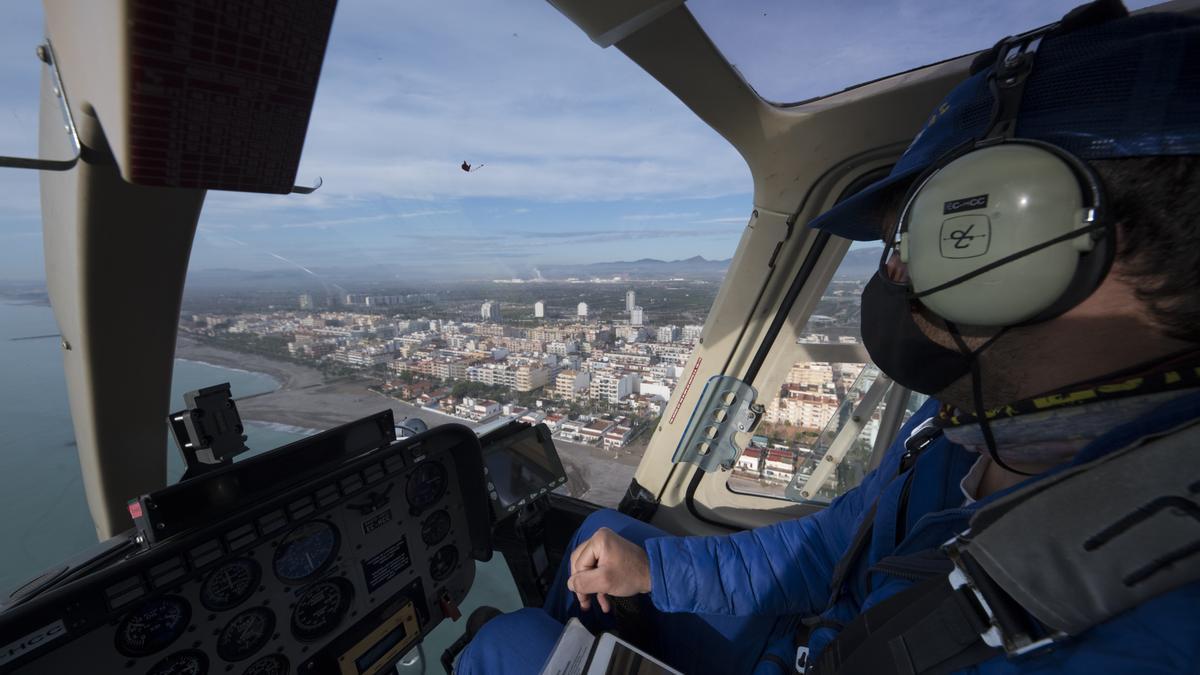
(466, 166)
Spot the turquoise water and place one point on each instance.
(43, 512)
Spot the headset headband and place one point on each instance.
(1012, 61)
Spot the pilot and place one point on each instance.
(1042, 282)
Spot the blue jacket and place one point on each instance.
(785, 569)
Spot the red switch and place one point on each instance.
(449, 608)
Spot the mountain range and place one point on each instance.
(696, 267)
(859, 263)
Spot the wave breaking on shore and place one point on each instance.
(222, 366)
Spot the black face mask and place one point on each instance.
(904, 353)
(897, 345)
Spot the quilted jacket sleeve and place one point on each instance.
(781, 568)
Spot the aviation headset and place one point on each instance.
(1004, 231)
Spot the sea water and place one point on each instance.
(43, 512)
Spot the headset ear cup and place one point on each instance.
(1028, 193)
(1093, 267)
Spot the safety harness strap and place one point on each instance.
(1042, 565)
(916, 443)
(929, 628)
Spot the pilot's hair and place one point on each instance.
(1156, 202)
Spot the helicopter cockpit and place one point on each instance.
(416, 497)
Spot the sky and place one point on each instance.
(585, 157)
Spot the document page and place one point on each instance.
(571, 652)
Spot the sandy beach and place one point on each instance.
(307, 400)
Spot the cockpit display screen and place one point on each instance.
(521, 467)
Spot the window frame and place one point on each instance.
(748, 510)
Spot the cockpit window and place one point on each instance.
(795, 51)
(822, 426)
(513, 223)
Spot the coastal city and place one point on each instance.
(597, 378)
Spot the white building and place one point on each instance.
(692, 333)
(594, 431)
(749, 461)
(306, 301)
(477, 409)
(582, 310)
(570, 383)
(572, 430)
(532, 417)
(635, 316)
(667, 334)
(490, 311)
(613, 387)
(539, 310)
(617, 437)
(779, 465)
(655, 388)
(365, 356)
(630, 300)
(802, 409)
(562, 348)
(630, 333)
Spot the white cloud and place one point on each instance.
(379, 217)
(729, 219)
(659, 216)
(550, 115)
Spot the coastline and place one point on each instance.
(286, 374)
(308, 402)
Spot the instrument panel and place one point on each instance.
(343, 573)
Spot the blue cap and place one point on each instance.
(1124, 88)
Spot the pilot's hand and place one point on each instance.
(605, 565)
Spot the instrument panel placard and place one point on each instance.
(376, 521)
(387, 564)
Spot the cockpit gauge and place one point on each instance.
(306, 551)
(186, 662)
(245, 634)
(228, 585)
(272, 664)
(435, 527)
(153, 625)
(442, 563)
(321, 608)
(426, 485)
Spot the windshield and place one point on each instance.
(562, 278)
(794, 51)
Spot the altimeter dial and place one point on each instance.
(245, 634)
(435, 527)
(442, 563)
(321, 608)
(230, 584)
(426, 484)
(153, 625)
